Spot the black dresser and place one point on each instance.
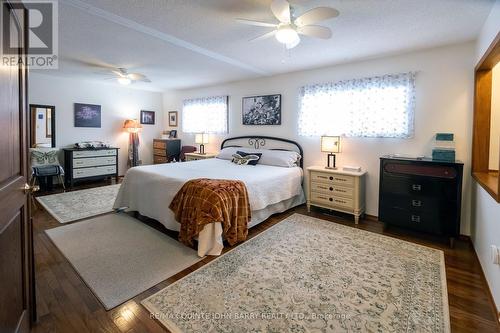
(421, 194)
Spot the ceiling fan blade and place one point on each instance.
(264, 36)
(315, 31)
(136, 76)
(257, 23)
(281, 9)
(316, 15)
(118, 73)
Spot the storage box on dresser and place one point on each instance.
(165, 150)
(337, 190)
(88, 164)
(421, 194)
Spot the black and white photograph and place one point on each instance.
(87, 115)
(172, 118)
(262, 110)
(147, 117)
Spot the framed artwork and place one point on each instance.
(172, 134)
(147, 117)
(262, 110)
(87, 115)
(172, 118)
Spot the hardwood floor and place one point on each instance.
(66, 304)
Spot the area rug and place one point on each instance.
(311, 275)
(119, 257)
(77, 205)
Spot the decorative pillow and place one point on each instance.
(251, 156)
(44, 156)
(248, 159)
(281, 158)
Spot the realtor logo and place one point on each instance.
(42, 35)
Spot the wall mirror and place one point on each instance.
(43, 126)
(486, 134)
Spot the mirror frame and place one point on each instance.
(33, 121)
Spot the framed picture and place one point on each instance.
(172, 134)
(172, 118)
(262, 110)
(87, 115)
(147, 117)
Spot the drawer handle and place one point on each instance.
(340, 179)
(415, 218)
(331, 178)
(331, 188)
(416, 203)
(416, 187)
(330, 199)
(340, 201)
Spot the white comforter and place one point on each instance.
(150, 189)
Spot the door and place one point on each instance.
(16, 260)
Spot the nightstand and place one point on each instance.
(338, 190)
(198, 156)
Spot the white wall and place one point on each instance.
(495, 119)
(443, 104)
(485, 227)
(117, 105)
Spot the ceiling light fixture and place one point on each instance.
(287, 35)
(124, 80)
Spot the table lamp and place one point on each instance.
(330, 145)
(201, 139)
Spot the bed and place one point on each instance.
(149, 189)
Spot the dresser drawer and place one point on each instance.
(330, 200)
(93, 161)
(328, 178)
(420, 186)
(91, 153)
(347, 192)
(431, 222)
(159, 144)
(417, 203)
(160, 159)
(96, 171)
(160, 152)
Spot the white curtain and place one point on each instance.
(205, 115)
(381, 106)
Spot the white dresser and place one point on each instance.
(337, 190)
(90, 164)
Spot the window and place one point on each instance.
(205, 115)
(372, 107)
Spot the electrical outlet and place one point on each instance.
(495, 255)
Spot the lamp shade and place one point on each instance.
(132, 125)
(201, 138)
(330, 144)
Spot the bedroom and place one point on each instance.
(149, 107)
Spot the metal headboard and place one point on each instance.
(258, 141)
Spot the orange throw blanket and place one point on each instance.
(203, 201)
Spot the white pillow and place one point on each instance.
(281, 158)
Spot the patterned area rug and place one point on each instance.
(311, 275)
(77, 205)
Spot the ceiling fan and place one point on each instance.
(125, 78)
(289, 28)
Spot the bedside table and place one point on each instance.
(338, 190)
(198, 156)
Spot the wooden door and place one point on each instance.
(16, 260)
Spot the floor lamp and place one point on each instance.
(133, 127)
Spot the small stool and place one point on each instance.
(47, 171)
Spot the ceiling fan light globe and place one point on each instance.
(287, 35)
(124, 80)
(293, 44)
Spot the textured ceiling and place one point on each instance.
(187, 43)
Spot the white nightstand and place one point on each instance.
(198, 156)
(343, 191)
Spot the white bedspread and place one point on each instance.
(150, 189)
